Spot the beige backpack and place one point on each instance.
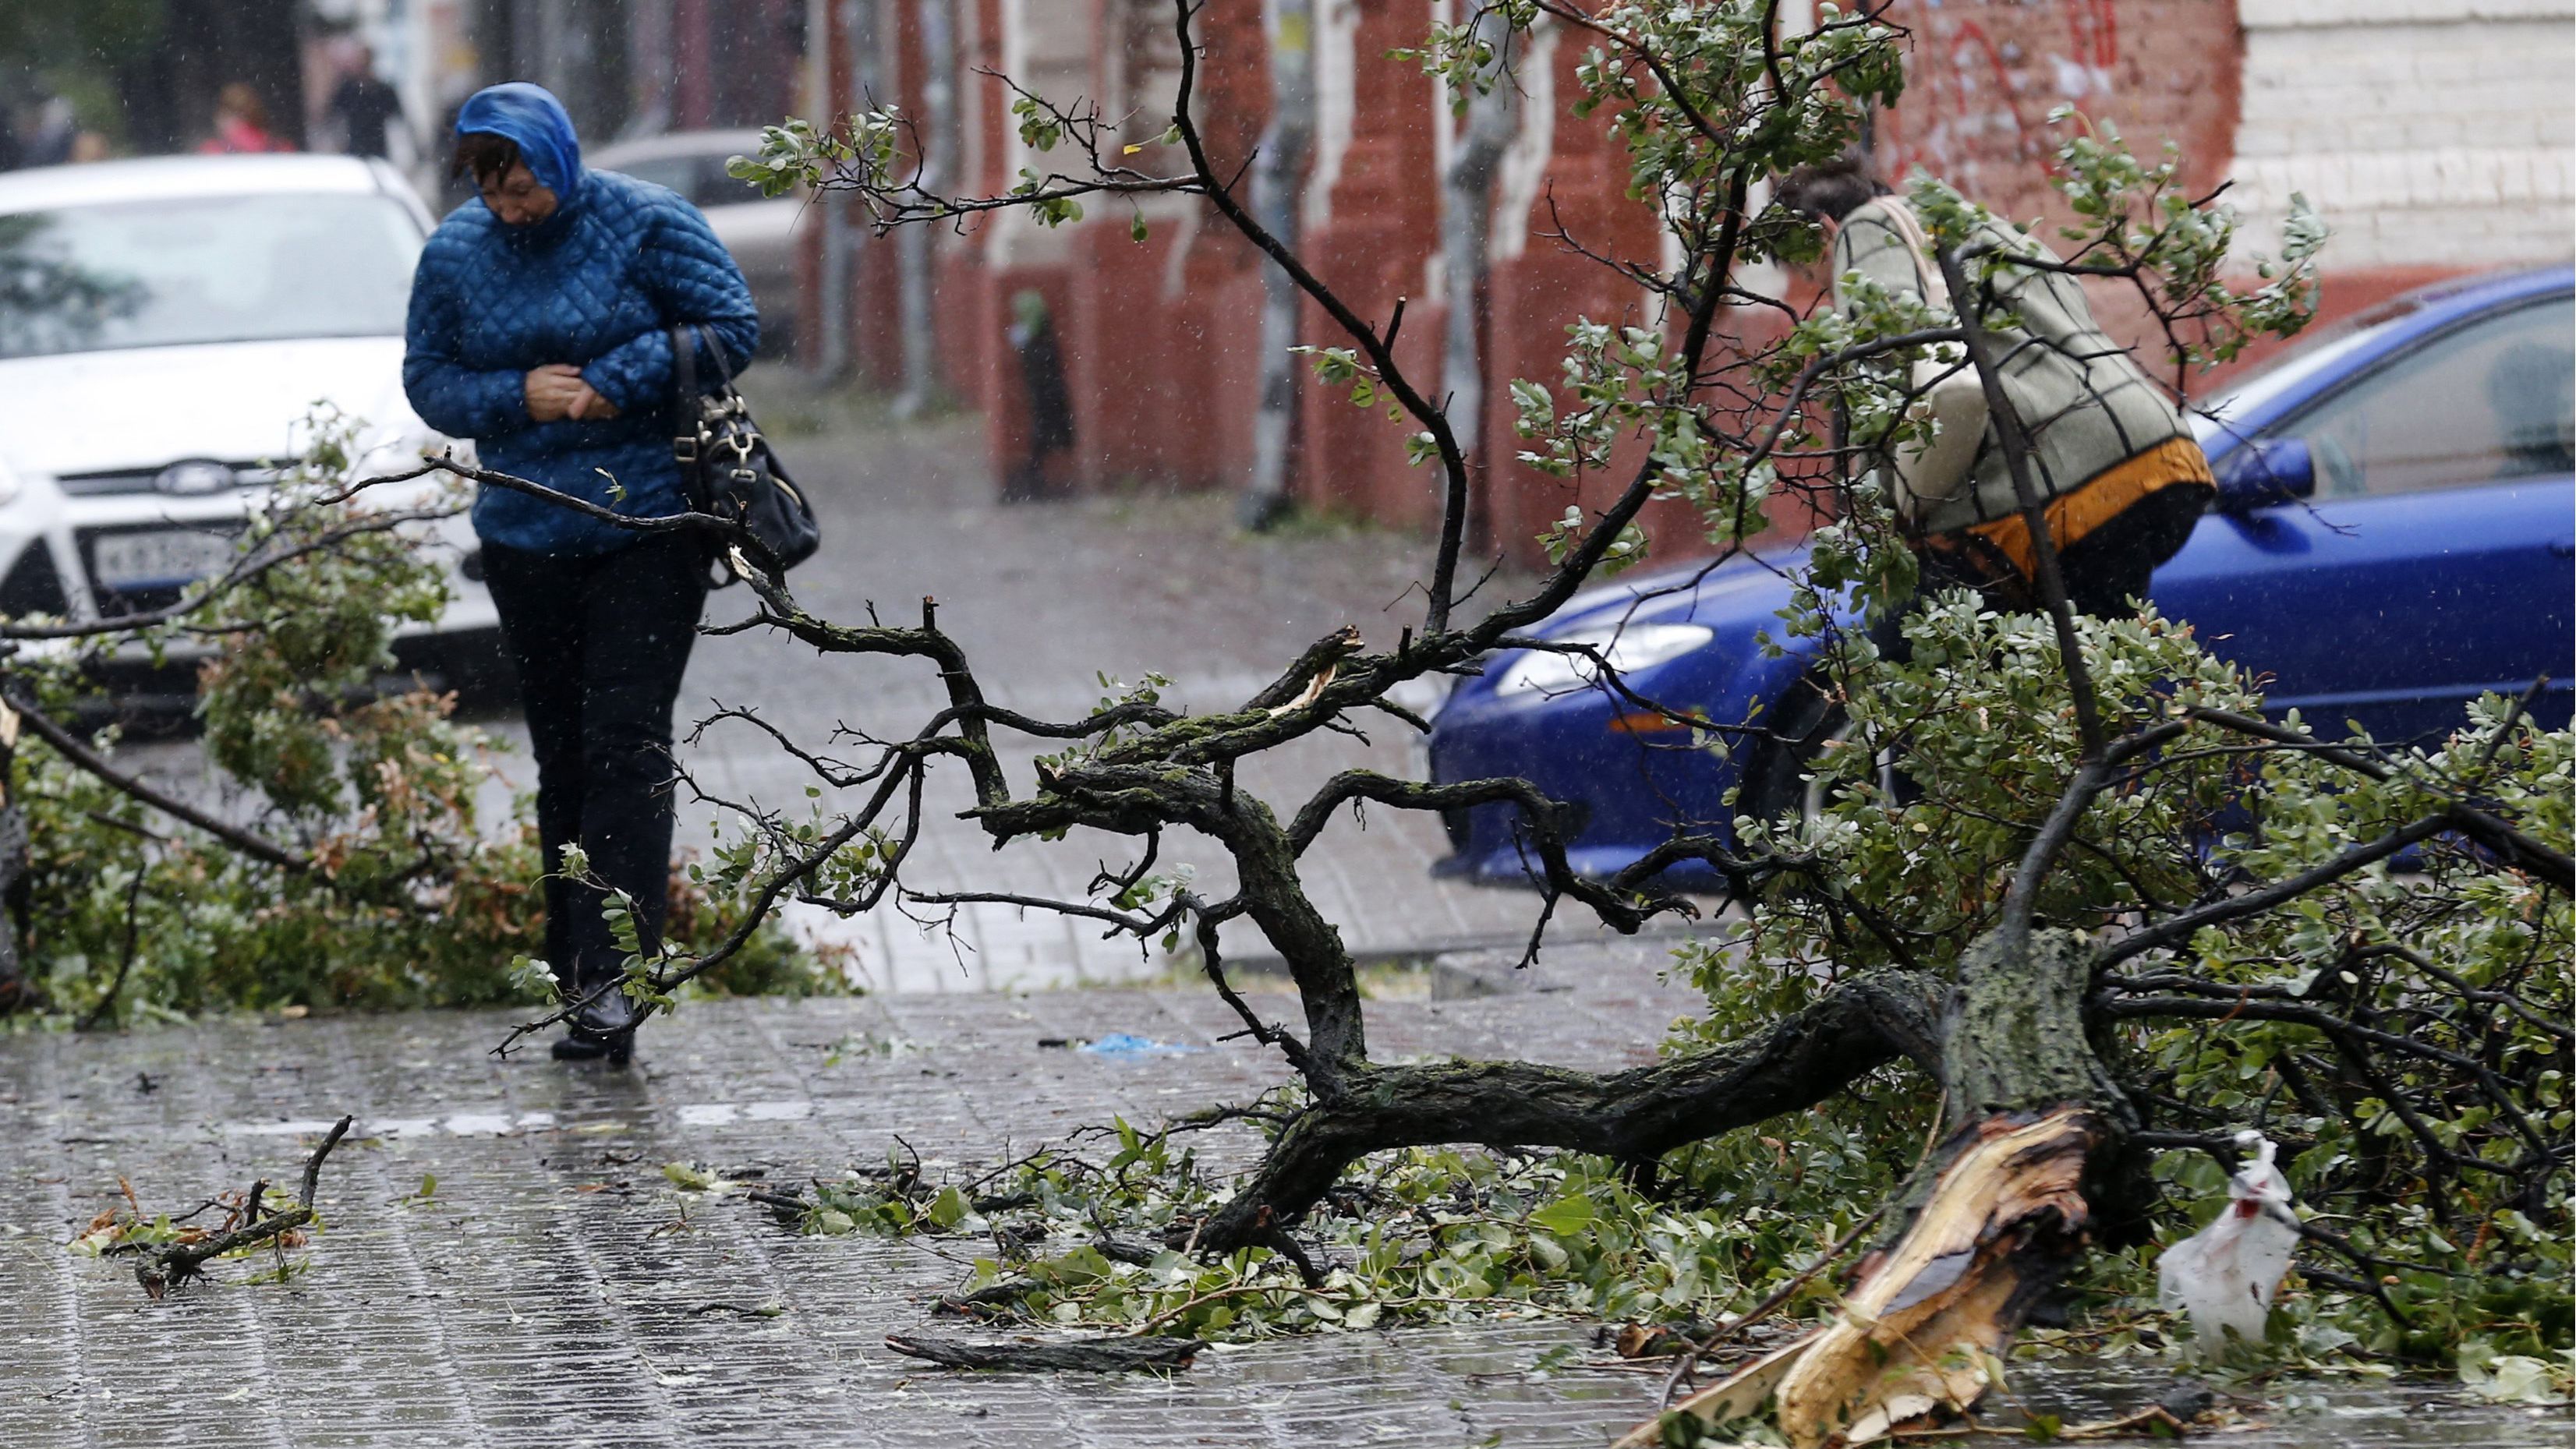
(1946, 391)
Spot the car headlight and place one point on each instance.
(1629, 650)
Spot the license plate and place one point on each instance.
(165, 556)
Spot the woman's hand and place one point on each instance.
(557, 391)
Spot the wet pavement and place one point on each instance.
(551, 1288)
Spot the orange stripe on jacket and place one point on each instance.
(2110, 494)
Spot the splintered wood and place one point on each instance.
(2003, 1219)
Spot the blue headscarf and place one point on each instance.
(530, 116)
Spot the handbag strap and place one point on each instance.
(715, 349)
(686, 338)
(684, 386)
(1928, 279)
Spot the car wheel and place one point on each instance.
(1779, 779)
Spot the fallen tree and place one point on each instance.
(2099, 839)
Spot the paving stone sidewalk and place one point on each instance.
(553, 1290)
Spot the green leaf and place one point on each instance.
(1564, 1217)
(949, 1209)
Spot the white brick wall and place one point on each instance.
(2435, 133)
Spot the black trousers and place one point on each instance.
(601, 643)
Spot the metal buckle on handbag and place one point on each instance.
(685, 449)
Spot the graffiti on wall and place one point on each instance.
(1984, 75)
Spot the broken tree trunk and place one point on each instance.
(1992, 1223)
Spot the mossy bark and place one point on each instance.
(1635, 1115)
(2014, 1038)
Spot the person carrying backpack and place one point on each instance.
(2122, 479)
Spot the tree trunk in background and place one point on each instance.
(1466, 231)
(16, 992)
(915, 260)
(1278, 200)
(576, 49)
(648, 65)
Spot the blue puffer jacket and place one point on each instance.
(597, 284)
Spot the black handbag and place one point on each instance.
(728, 470)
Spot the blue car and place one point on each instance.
(2395, 534)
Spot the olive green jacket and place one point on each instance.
(2083, 401)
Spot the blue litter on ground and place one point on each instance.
(1126, 1045)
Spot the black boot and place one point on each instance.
(602, 1026)
(572, 1046)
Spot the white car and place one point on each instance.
(165, 327)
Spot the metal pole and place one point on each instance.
(914, 254)
(1278, 199)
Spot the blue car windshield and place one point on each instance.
(204, 269)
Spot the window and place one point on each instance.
(204, 269)
(680, 173)
(2495, 399)
(718, 187)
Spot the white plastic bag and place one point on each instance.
(2224, 1276)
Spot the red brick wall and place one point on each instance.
(1984, 75)
(1161, 340)
(1532, 297)
(1382, 231)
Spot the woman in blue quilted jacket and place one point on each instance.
(540, 327)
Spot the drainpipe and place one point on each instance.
(847, 22)
(1466, 232)
(914, 259)
(1277, 175)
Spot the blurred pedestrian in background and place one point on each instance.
(57, 132)
(541, 327)
(241, 124)
(1040, 473)
(364, 106)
